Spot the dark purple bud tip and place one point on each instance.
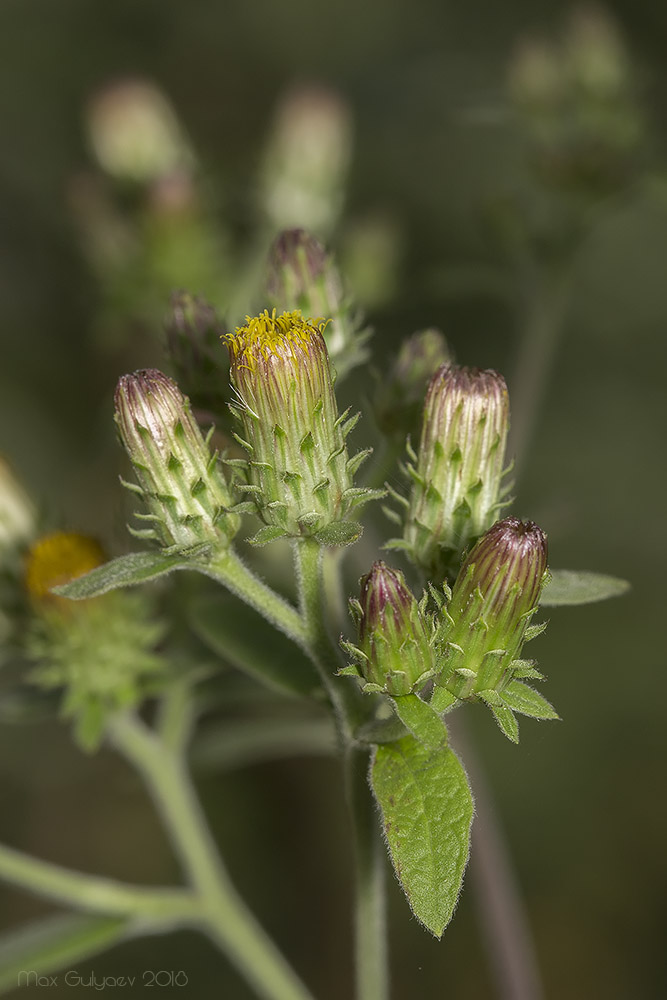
(511, 552)
(382, 587)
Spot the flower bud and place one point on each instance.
(302, 275)
(456, 488)
(401, 393)
(394, 638)
(180, 481)
(307, 159)
(193, 331)
(135, 133)
(300, 477)
(494, 597)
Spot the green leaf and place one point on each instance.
(55, 943)
(526, 700)
(570, 586)
(502, 713)
(239, 635)
(421, 720)
(339, 533)
(125, 571)
(427, 811)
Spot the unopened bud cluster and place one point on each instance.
(458, 470)
(471, 646)
(181, 482)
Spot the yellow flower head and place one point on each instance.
(56, 559)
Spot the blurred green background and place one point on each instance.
(582, 801)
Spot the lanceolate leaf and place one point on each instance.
(427, 811)
(421, 719)
(125, 571)
(568, 586)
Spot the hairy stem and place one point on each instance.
(372, 974)
(229, 570)
(224, 915)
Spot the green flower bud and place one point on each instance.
(101, 651)
(181, 482)
(135, 134)
(494, 597)
(302, 275)
(400, 396)
(456, 488)
(306, 161)
(395, 652)
(299, 473)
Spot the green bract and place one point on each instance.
(180, 480)
(299, 475)
(456, 477)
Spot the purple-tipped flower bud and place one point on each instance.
(394, 638)
(180, 480)
(302, 275)
(300, 477)
(494, 597)
(456, 488)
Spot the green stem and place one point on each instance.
(351, 708)
(372, 974)
(224, 915)
(92, 893)
(229, 570)
(240, 742)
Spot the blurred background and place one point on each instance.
(476, 168)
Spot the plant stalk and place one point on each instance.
(224, 915)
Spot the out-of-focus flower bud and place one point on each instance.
(17, 512)
(302, 275)
(135, 134)
(400, 395)
(395, 652)
(180, 480)
(456, 490)
(193, 331)
(299, 473)
(494, 597)
(100, 651)
(307, 160)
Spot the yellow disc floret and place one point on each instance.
(267, 334)
(58, 558)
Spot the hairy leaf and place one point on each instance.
(427, 810)
(125, 571)
(569, 586)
